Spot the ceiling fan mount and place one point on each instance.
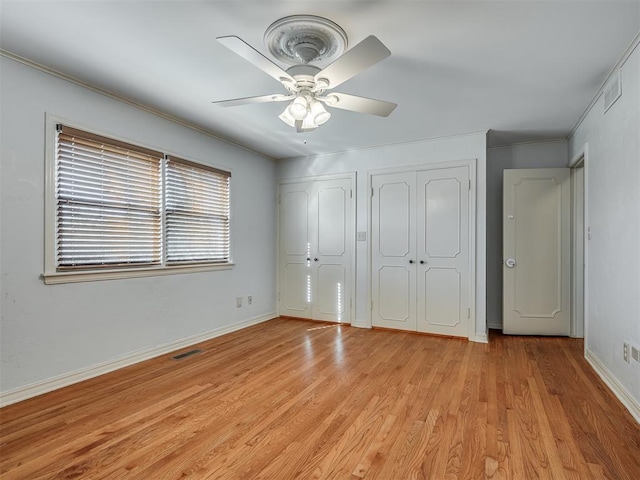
(307, 43)
(305, 39)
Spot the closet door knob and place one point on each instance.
(315, 259)
(421, 262)
(410, 261)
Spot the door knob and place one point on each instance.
(410, 261)
(315, 259)
(510, 262)
(421, 262)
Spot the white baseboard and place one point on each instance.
(54, 383)
(614, 385)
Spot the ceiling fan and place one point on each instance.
(304, 42)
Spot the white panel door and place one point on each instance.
(295, 250)
(316, 243)
(393, 216)
(536, 263)
(420, 241)
(443, 251)
(330, 237)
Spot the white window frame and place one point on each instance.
(51, 275)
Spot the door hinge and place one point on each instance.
(371, 192)
(468, 313)
(469, 184)
(350, 193)
(278, 199)
(278, 296)
(371, 304)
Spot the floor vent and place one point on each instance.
(180, 356)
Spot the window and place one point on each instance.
(122, 210)
(196, 213)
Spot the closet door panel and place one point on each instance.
(294, 220)
(441, 293)
(295, 298)
(393, 217)
(331, 293)
(393, 251)
(443, 251)
(331, 254)
(332, 220)
(294, 270)
(442, 212)
(394, 305)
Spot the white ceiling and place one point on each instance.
(524, 69)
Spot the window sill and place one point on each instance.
(94, 275)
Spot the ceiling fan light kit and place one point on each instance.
(298, 108)
(319, 113)
(307, 42)
(305, 114)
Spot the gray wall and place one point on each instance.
(612, 198)
(53, 331)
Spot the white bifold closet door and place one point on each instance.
(420, 251)
(315, 249)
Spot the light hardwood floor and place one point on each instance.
(296, 399)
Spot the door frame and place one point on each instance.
(351, 232)
(579, 327)
(472, 165)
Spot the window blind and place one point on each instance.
(109, 196)
(196, 213)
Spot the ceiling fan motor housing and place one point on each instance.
(304, 76)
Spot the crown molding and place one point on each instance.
(128, 101)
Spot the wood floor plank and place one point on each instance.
(292, 399)
(570, 456)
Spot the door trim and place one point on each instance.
(351, 231)
(580, 328)
(472, 165)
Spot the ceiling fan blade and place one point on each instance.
(246, 51)
(365, 54)
(248, 100)
(359, 104)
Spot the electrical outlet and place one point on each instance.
(238, 302)
(625, 352)
(249, 300)
(635, 353)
